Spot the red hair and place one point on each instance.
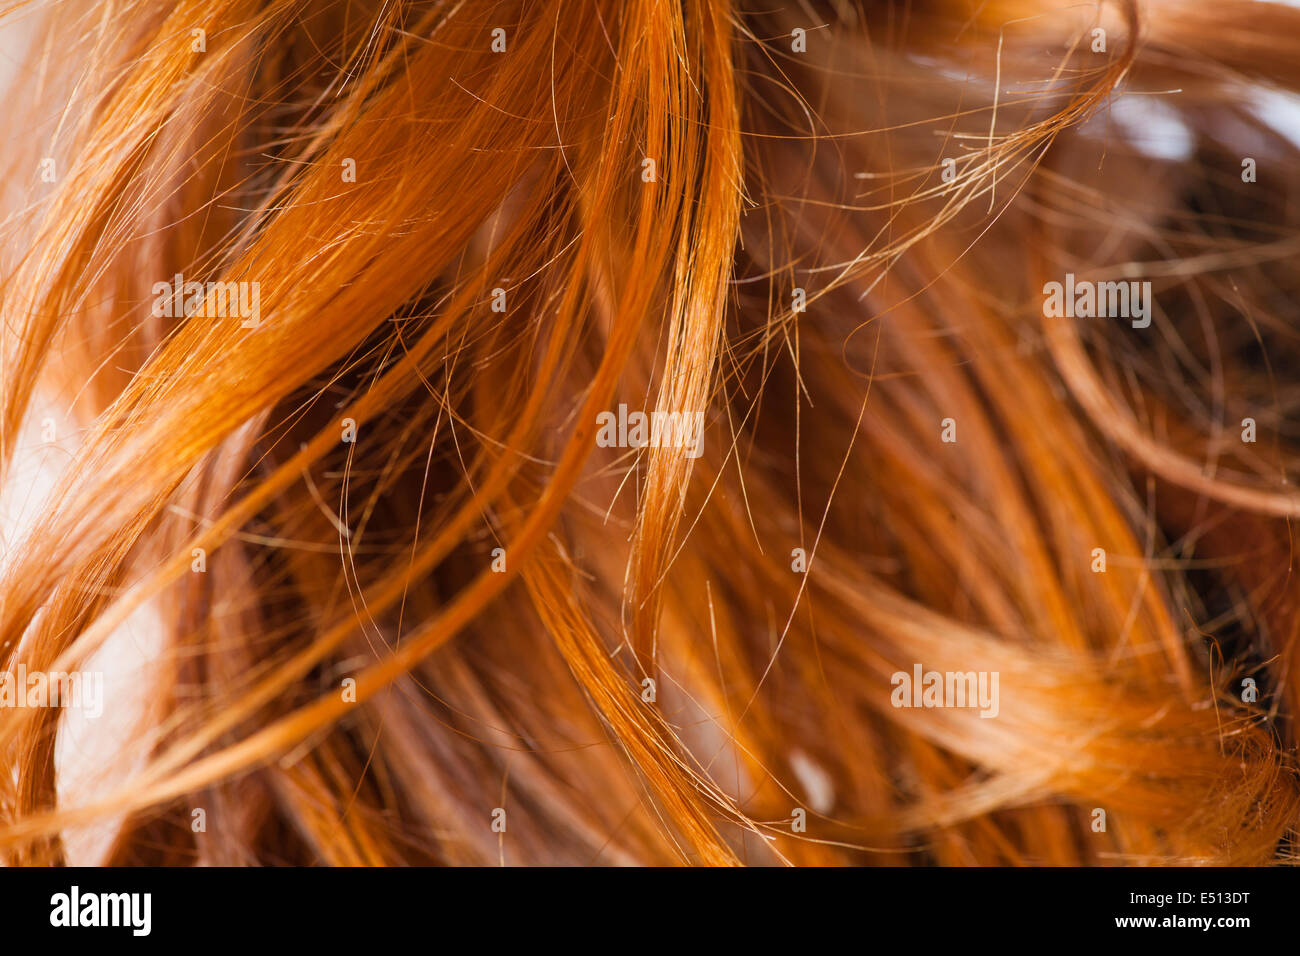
(333, 308)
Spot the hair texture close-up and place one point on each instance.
(649, 432)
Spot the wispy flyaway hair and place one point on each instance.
(651, 431)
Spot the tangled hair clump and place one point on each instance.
(371, 556)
